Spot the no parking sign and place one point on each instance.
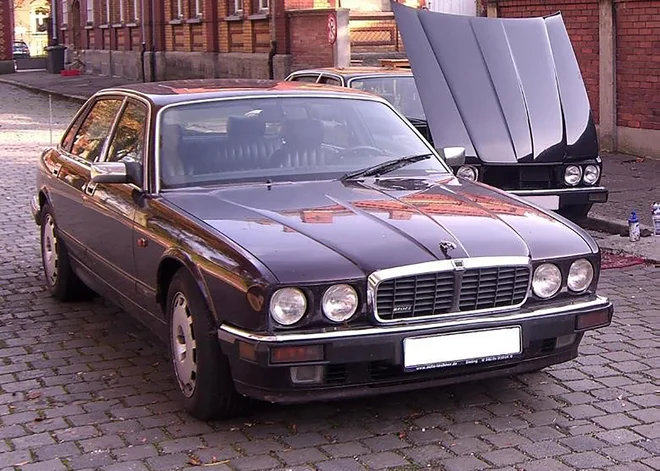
(332, 28)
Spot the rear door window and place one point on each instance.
(95, 129)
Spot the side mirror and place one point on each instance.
(117, 172)
(454, 156)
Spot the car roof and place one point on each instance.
(355, 71)
(180, 91)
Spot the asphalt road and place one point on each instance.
(83, 386)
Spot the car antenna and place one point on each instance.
(50, 117)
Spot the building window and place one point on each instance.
(121, 11)
(135, 12)
(107, 13)
(199, 8)
(177, 9)
(65, 12)
(238, 6)
(90, 11)
(264, 4)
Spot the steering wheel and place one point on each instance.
(357, 149)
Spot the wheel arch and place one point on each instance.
(170, 263)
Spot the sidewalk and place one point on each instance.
(633, 183)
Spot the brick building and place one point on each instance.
(617, 44)
(6, 37)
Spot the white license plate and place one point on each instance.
(462, 348)
(550, 202)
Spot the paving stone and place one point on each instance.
(301, 456)
(463, 463)
(383, 460)
(587, 459)
(255, 462)
(341, 450)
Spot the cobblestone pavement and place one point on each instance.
(83, 386)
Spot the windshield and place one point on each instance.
(282, 138)
(400, 91)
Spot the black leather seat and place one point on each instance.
(246, 146)
(170, 156)
(302, 144)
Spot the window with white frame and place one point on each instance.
(238, 6)
(198, 7)
(122, 13)
(90, 11)
(107, 14)
(177, 9)
(135, 10)
(65, 12)
(264, 4)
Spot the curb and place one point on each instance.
(597, 223)
(44, 91)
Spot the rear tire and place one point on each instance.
(201, 370)
(62, 282)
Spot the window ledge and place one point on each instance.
(234, 18)
(133, 24)
(194, 20)
(259, 16)
(106, 26)
(89, 26)
(177, 21)
(118, 25)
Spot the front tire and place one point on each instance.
(63, 283)
(201, 370)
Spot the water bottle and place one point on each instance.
(633, 227)
(655, 216)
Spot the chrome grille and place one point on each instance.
(433, 294)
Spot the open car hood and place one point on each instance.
(508, 90)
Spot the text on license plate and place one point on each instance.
(549, 202)
(461, 348)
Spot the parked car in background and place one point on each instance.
(510, 92)
(21, 50)
(296, 242)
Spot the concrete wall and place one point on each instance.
(184, 65)
(618, 49)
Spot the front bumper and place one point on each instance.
(367, 361)
(554, 199)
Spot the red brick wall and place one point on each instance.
(6, 35)
(308, 42)
(581, 19)
(638, 64)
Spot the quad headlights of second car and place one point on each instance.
(289, 305)
(548, 279)
(574, 174)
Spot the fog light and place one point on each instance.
(247, 351)
(468, 172)
(296, 354)
(592, 320)
(565, 340)
(306, 374)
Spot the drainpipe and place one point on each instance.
(144, 43)
(54, 22)
(153, 41)
(273, 40)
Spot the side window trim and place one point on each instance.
(325, 75)
(76, 122)
(103, 155)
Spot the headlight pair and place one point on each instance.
(574, 174)
(289, 305)
(547, 279)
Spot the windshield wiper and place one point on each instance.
(385, 167)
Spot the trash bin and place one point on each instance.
(55, 58)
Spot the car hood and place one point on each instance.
(508, 90)
(315, 231)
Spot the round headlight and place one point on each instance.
(572, 175)
(339, 303)
(468, 172)
(591, 174)
(580, 275)
(546, 281)
(288, 306)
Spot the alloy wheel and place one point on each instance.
(184, 347)
(49, 250)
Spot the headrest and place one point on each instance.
(303, 132)
(244, 128)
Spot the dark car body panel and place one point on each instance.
(241, 242)
(508, 90)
